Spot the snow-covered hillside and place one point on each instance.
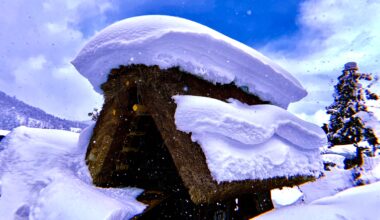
(14, 113)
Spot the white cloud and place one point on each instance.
(39, 38)
(332, 32)
(345, 31)
(319, 117)
(36, 63)
(37, 41)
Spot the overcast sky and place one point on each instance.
(312, 39)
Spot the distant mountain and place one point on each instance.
(14, 113)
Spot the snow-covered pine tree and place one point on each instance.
(346, 126)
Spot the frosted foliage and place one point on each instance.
(350, 118)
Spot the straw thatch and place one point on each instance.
(136, 143)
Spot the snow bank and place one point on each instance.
(355, 204)
(372, 175)
(250, 142)
(43, 176)
(347, 151)
(334, 159)
(285, 196)
(339, 179)
(370, 170)
(329, 184)
(171, 41)
(4, 132)
(325, 198)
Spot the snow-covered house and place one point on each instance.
(190, 111)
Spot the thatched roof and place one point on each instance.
(153, 88)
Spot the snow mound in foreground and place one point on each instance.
(243, 142)
(43, 176)
(355, 203)
(171, 41)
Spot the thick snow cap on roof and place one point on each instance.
(243, 142)
(171, 41)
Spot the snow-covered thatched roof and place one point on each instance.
(171, 41)
(243, 142)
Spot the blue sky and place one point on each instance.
(253, 22)
(312, 39)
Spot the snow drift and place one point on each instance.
(356, 203)
(43, 176)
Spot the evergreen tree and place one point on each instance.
(346, 126)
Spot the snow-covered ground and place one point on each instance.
(356, 203)
(333, 196)
(43, 176)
